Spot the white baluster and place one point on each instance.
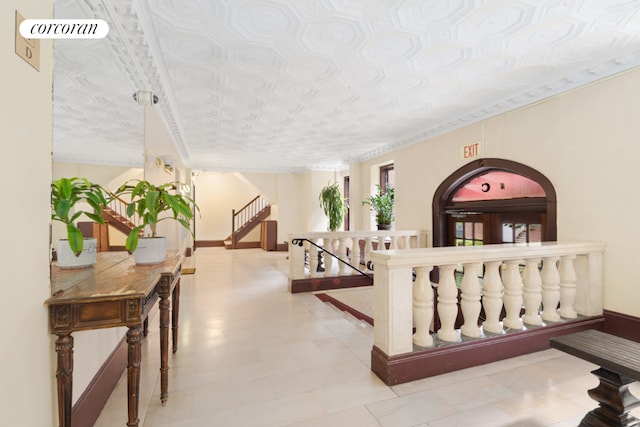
(447, 303)
(355, 255)
(492, 297)
(550, 289)
(532, 292)
(326, 258)
(470, 301)
(422, 307)
(342, 253)
(394, 242)
(568, 287)
(512, 294)
(368, 247)
(313, 259)
(406, 242)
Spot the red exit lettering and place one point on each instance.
(471, 150)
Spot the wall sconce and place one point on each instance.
(164, 162)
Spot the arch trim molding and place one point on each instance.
(466, 173)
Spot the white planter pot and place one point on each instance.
(67, 259)
(151, 250)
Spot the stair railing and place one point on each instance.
(249, 211)
(300, 242)
(118, 206)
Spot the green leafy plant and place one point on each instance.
(65, 194)
(333, 204)
(381, 204)
(148, 201)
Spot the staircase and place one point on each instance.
(115, 214)
(246, 219)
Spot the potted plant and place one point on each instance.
(333, 204)
(148, 202)
(76, 251)
(381, 204)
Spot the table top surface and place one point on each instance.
(608, 351)
(114, 275)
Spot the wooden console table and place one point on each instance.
(619, 361)
(113, 292)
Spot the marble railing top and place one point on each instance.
(487, 253)
(351, 234)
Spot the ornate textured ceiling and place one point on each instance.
(291, 85)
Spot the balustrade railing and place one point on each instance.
(352, 247)
(241, 217)
(505, 282)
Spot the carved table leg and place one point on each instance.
(134, 335)
(64, 375)
(615, 401)
(175, 305)
(164, 347)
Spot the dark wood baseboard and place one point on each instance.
(439, 360)
(89, 405)
(209, 243)
(342, 306)
(114, 248)
(280, 247)
(247, 245)
(328, 283)
(622, 325)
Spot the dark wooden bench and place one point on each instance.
(619, 361)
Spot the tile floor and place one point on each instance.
(252, 354)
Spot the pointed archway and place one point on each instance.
(444, 203)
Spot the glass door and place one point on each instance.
(468, 229)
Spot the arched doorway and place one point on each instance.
(494, 201)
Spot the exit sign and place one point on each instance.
(471, 151)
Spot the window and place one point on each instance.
(387, 177)
(469, 233)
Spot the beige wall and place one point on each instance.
(217, 194)
(27, 353)
(585, 141)
(289, 215)
(293, 197)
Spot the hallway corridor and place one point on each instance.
(251, 354)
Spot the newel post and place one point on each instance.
(589, 282)
(296, 261)
(393, 320)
